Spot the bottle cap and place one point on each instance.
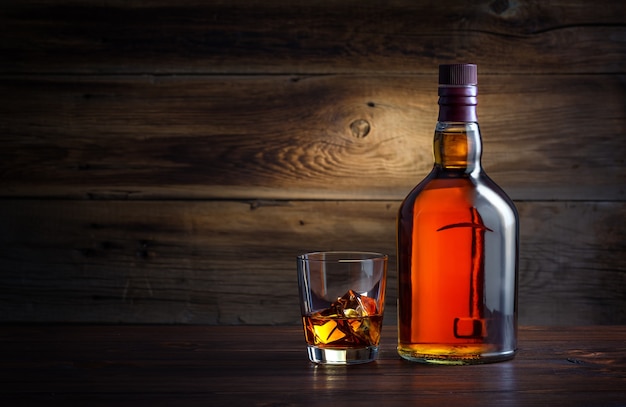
(458, 74)
(458, 88)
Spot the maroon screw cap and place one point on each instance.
(458, 74)
(457, 92)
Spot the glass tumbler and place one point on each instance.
(342, 298)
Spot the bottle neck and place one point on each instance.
(457, 147)
(457, 144)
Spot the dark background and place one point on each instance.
(165, 161)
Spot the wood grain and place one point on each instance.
(268, 366)
(229, 262)
(164, 161)
(331, 36)
(294, 137)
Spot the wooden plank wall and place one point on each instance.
(165, 161)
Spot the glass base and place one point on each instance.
(348, 356)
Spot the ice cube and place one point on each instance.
(351, 305)
(345, 322)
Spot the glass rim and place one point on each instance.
(342, 255)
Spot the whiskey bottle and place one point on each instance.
(457, 245)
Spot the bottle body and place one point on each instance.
(457, 240)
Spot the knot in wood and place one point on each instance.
(360, 128)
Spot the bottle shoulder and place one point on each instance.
(445, 190)
(487, 187)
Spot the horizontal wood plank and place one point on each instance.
(292, 137)
(164, 161)
(229, 262)
(330, 36)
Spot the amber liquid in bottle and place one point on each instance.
(457, 255)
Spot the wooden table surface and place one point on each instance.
(268, 366)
